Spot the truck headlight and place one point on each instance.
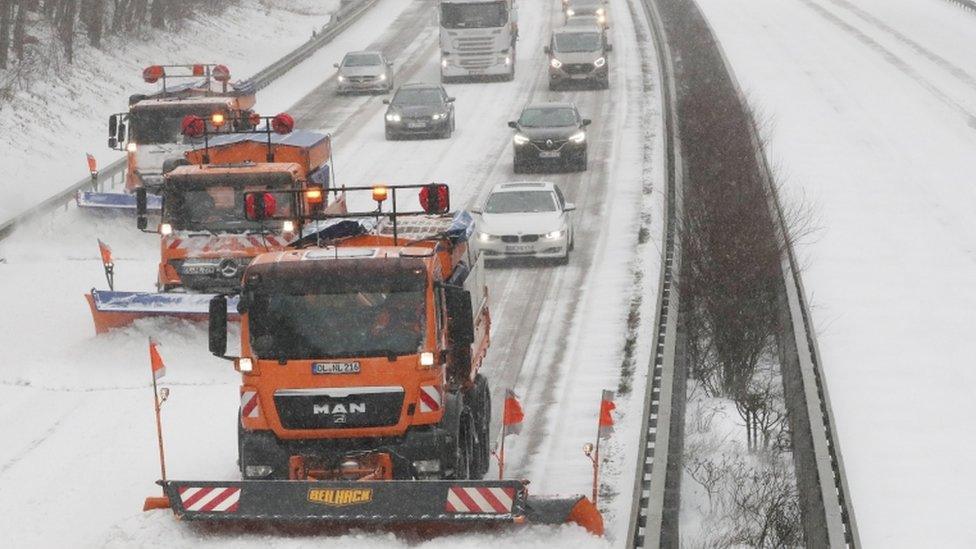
(427, 359)
(392, 117)
(288, 226)
(508, 60)
(259, 471)
(600, 62)
(520, 139)
(165, 229)
(427, 466)
(131, 147)
(383, 77)
(600, 11)
(556, 234)
(444, 62)
(578, 137)
(570, 12)
(555, 63)
(245, 365)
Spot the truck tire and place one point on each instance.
(261, 448)
(479, 401)
(464, 450)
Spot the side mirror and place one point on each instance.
(141, 207)
(545, 49)
(389, 63)
(513, 124)
(587, 122)
(569, 207)
(460, 316)
(113, 125)
(218, 325)
(113, 142)
(336, 65)
(450, 99)
(476, 211)
(122, 132)
(386, 101)
(609, 47)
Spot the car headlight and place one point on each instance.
(600, 11)
(444, 62)
(383, 77)
(519, 139)
(555, 63)
(570, 12)
(508, 60)
(556, 234)
(393, 117)
(601, 19)
(578, 137)
(341, 78)
(438, 116)
(485, 237)
(600, 62)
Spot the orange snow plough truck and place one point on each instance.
(206, 237)
(149, 132)
(361, 397)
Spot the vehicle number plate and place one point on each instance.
(518, 248)
(416, 125)
(335, 368)
(548, 154)
(579, 76)
(198, 269)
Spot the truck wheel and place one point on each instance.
(480, 405)
(261, 448)
(464, 450)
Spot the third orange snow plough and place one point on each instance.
(361, 398)
(206, 239)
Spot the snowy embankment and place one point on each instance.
(46, 129)
(870, 108)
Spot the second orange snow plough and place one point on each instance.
(206, 239)
(362, 400)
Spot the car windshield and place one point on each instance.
(217, 208)
(161, 124)
(572, 42)
(418, 96)
(376, 315)
(473, 16)
(520, 202)
(362, 60)
(588, 6)
(583, 21)
(548, 117)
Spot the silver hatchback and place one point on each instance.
(364, 71)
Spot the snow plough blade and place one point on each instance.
(115, 203)
(111, 309)
(388, 502)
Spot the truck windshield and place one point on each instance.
(474, 16)
(575, 42)
(216, 208)
(369, 314)
(161, 124)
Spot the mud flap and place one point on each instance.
(561, 510)
(349, 502)
(112, 309)
(115, 203)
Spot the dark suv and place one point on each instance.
(578, 55)
(549, 133)
(420, 109)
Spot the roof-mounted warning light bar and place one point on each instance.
(194, 127)
(435, 199)
(209, 71)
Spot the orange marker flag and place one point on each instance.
(156, 361)
(106, 252)
(606, 419)
(92, 165)
(513, 416)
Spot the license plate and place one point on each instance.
(548, 154)
(518, 248)
(198, 269)
(579, 76)
(415, 125)
(320, 368)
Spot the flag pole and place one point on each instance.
(596, 460)
(159, 429)
(501, 455)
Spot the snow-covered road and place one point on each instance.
(75, 410)
(871, 119)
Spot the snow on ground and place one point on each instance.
(87, 399)
(46, 130)
(872, 109)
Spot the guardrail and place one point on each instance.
(347, 14)
(654, 514)
(828, 513)
(968, 4)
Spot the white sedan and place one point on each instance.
(525, 219)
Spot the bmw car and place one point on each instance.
(420, 110)
(525, 219)
(364, 71)
(549, 134)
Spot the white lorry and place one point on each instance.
(477, 39)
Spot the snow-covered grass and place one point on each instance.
(877, 133)
(47, 127)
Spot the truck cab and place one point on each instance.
(369, 346)
(477, 38)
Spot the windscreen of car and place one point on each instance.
(361, 60)
(161, 123)
(583, 21)
(550, 117)
(520, 202)
(474, 16)
(418, 96)
(217, 208)
(573, 42)
(374, 315)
